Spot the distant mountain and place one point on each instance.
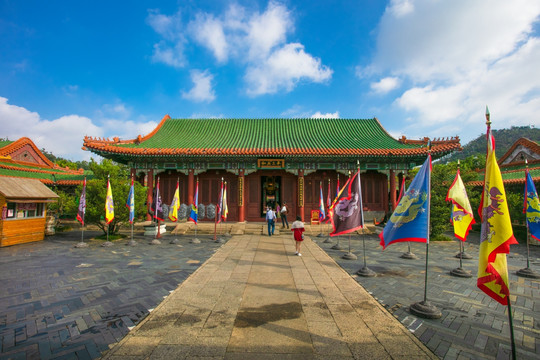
(504, 139)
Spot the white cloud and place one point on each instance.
(208, 31)
(456, 57)
(319, 115)
(170, 50)
(255, 40)
(63, 136)
(385, 85)
(284, 69)
(202, 87)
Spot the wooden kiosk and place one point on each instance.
(23, 202)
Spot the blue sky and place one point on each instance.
(422, 67)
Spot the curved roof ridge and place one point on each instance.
(18, 144)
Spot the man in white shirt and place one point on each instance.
(271, 220)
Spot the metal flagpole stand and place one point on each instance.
(460, 272)
(349, 255)
(424, 308)
(82, 244)
(409, 255)
(195, 240)
(365, 271)
(156, 241)
(107, 243)
(527, 272)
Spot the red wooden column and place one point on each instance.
(300, 192)
(241, 192)
(393, 199)
(190, 190)
(150, 191)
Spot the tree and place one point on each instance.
(96, 192)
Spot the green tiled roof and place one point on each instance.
(271, 133)
(5, 143)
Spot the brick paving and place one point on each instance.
(472, 326)
(62, 302)
(59, 302)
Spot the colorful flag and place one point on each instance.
(328, 203)
(130, 202)
(497, 234)
(109, 204)
(410, 219)
(322, 213)
(531, 207)
(462, 215)
(346, 212)
(225, 211)
(157, 204)
(175, 205)
(82, 204)
(194, 211)
(220, 203)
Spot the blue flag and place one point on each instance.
(531, 207)
(130, 203)
(409, 222)
(194, 214)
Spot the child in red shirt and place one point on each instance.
(298, 228)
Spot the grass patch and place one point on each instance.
(112, 237)
(440, 237)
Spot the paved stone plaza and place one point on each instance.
(61, 302)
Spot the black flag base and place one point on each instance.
(460, 272)
(426, 310)
(349, 256)
(328, 240)
(528, 273)
(337, 247)
(132, 243)
(366, 272)
(175, 241)
(220, 240)
(155, 242)
(107, 244)
(195, 241)
(321, 235)
(408, 255)
(463, 255)
(81, 245)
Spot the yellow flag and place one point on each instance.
(225, 207)
(109, 204)
(175, 205)
(497, 234)
(462, 216)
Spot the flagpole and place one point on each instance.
(527, 272)
(350, 255)
(409, 255)
(424, 308)
(82, 244)
(511, 322)
(460, 272)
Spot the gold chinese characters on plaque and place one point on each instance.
(271, 163)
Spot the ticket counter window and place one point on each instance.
(14, 210)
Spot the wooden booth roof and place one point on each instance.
(25, 189)
(22, 159)
(314, 138)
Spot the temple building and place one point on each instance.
(22, 159)
(266, 162)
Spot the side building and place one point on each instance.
(270, 161)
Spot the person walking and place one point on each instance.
(271, 220)
(284, 211)
(298, 234)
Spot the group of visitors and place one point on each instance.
(297, 227)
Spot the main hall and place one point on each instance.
(270, 161)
